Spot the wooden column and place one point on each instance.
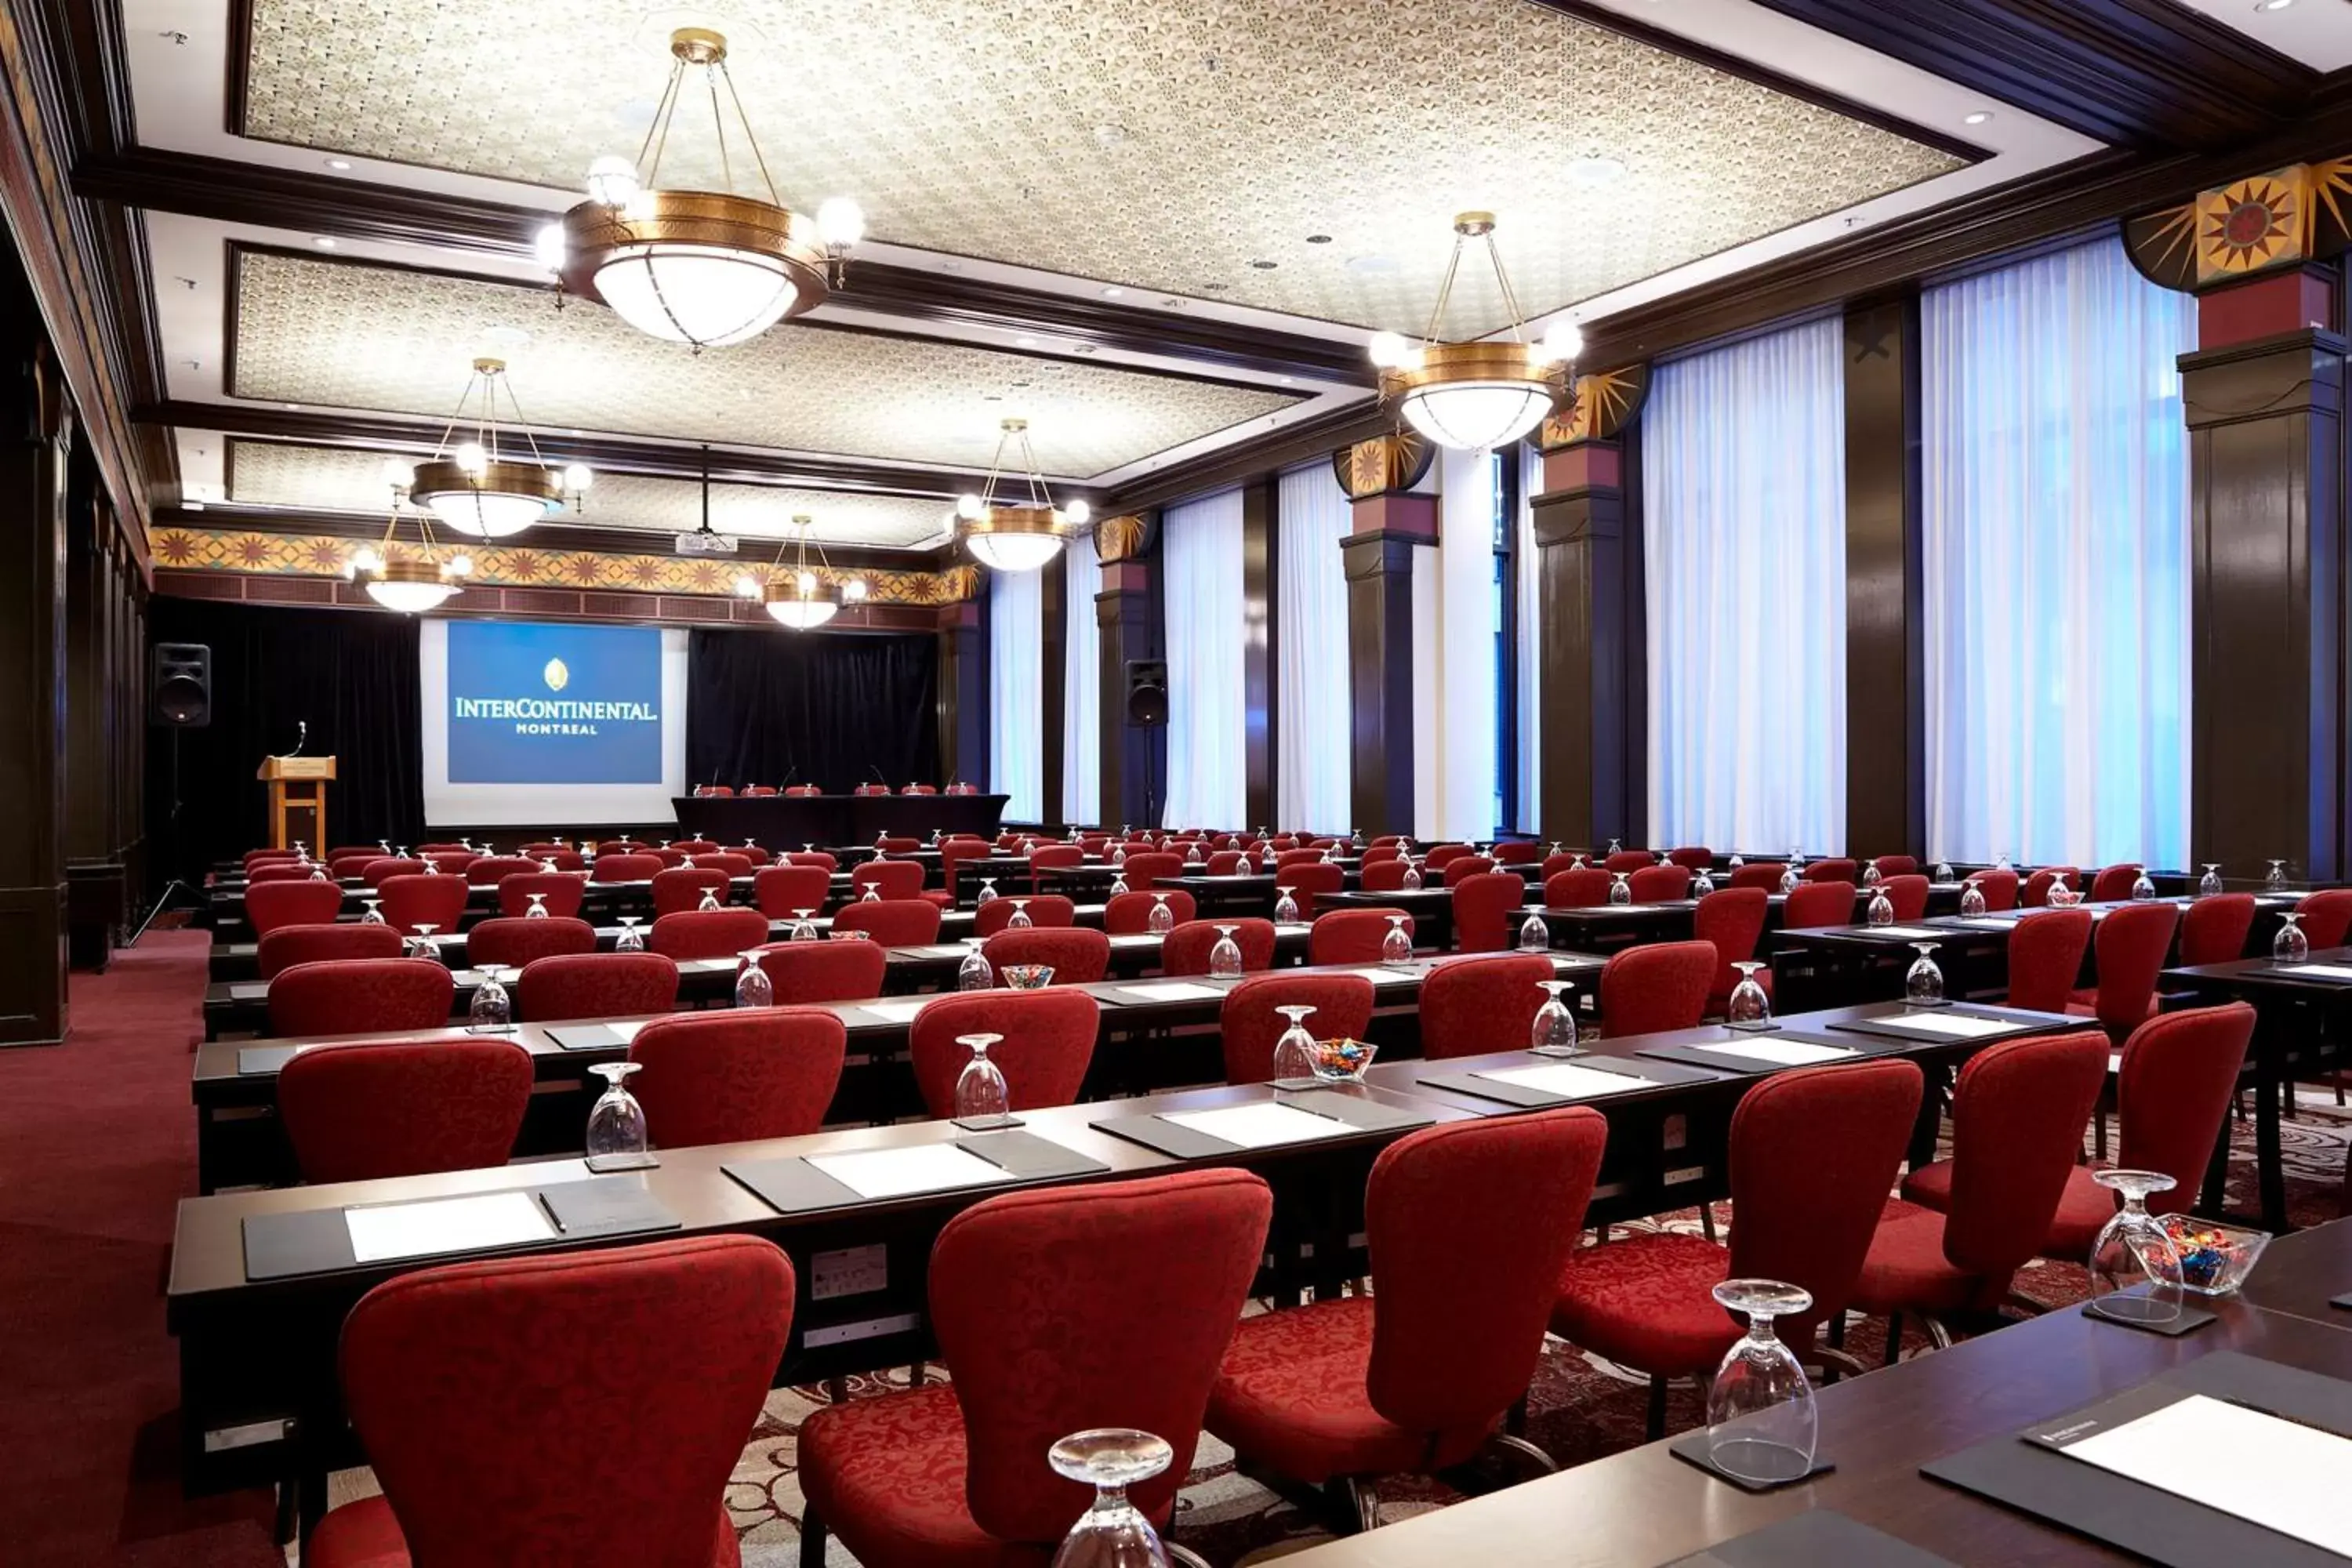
(1261, 699)
(1886, 651)
(963, 694)
(2263, 399)
(1053, 636)
(1134, 761)
(90, 595)
(1588, 701)
(1390, 530)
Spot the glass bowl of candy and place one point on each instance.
(1027, 977)
(1343, 1061)
(2215, 1258)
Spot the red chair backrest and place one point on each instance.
(1656, 986)
(677, 888)
(563, 891)
(807, 973)
(694, 845)
(1897, 865)
(1813, 1152)
(283, 947)
(1186, 949)
(1284, 858)
(2132, 942)
(363, 1113)
(447, 1376)
(1999, 888)
(1128, 913)
(2036, 893)
(2326, 916)
(1730, 920)
(382, 867)
(1907, 891)
(1655, 884)
(595, 985)
(622, 847)
(1810, 905)
(2018, 1111)
(486, 871)
(1517, 852)
(754, 855)
(1225, 863)
(2113, 884)
(410, 902)
(734, 862)
(360, 996)
(1144, 869)
(804, 792)
(733, 1075)
(871, 789)
(1025, 1376)
(1628, 860)
(270, 905)
(255, 856)
(891, 879)
(1764, 874)
(1462, 865)
(1079, 956)
(451, 862)
(2213, 930)
(262, 872)
(1383, 876)
(1440, 856)
(1483, 905)
(1248, 1026)
(706, 933)
(1045, 909)
(754, 792)
(1577, 889)
(899, 844)
(1479, 1006)
(779, 890)
(632, 867)
(1049, 1039)
(811, 857)
(513, 940)
(1467, 1284)
(1350, 936)
(920, 789)
(1693, 857)
(2179, 1072)
(1047, 856)
(893, 923)
(1378, 853)
(2046, 951)
(1837, 868)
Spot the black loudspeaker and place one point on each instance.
(1147, 691)
(179, 685)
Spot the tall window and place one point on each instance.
(1502, 471)
(1201, 556)
(1314, 767)
(1016, 750)
(1081, 683)
(1743, 476)
(1464, 648)
(1528, 692)
(2055, 536)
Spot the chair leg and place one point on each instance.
(1515, 1419)
(919, 1374)
(836, 1388)
(1707, 1220)
(1182, 1554)
(1938, 1334)
(1356, 1500)
(1894, 1338)
(1656, 1429)
(811, 1539)
(1837, 1330)
(1544, 1463)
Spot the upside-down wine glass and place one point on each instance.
(1923, 983)
(1355, 838)
(1881, 908)
(709, 900)
(686, 863)
(1871, 875)
(617, 1123)
(490, 1012)
(1790, 878)
(873, 893)
(1113, 1533)
(1972, 898)
(547, 864)
(1747, 1006)
(1294, 1053)
(1225, 955)
(973, 973)
(987, 894)
(2143, 889)
(1616, 846)
(1285, 909)
(1761, 1423)
(1534, 935)
(384, 844)
(1118, 854)
(1162, 919)
(538, 911)
(1621, 891)
(423, 947)
(804, 929)
(2061, 897)
(2275, 877)
(2134, 1266)
(1020, 921)
(1412, 875)
(318, 871)
(374, 916)
(2291, 945)
(1118, 886)
(753, 986)
(1737, 860)
(1704, 883)
(401, 853)
(432, 867)
(981, 1091)
(1192, 853)
(1553, 1031)
(2000, 861)
(1943, 871)
(2211, 882)
(1396, 947)
(1576, 861)
(631, 939)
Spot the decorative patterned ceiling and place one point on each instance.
(1305, 156)
(318, 479)
(340, 334)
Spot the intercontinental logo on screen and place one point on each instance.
(553, 715)
(555, 704)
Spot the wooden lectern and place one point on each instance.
(297, 800)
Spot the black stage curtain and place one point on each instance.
(763, 706)
(350, 674)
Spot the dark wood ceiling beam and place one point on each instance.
(230, 192)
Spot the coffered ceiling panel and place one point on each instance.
(318, 479)
(1300, 155)
(338, 334)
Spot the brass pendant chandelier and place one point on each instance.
(408, 585)
(708, 268)
(481, 492)
(805, 597)
(1005, 537)
(1476, 395)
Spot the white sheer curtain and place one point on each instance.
(1465, 644)
(1081, 683)
(1528, 612)
(1016, 699)
(2056, 483)
(1201, 561)
(1313, 766)
(1743, 475)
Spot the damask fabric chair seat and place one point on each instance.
(896, 1466)
(270, 905)
(363, 1113)
(1187, 948)
(360, 996)
(1482, 1004)
(1484, 907)
(1350, 936)
(802, 973)
(515, 941)
(408, 902)
(286, 946)
(560, 892)
(1577, 889)
(1643, 1302)
(706, 933)
(893, 923)
(595, 985)
(1046, 911)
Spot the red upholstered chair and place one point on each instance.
(1248, 1026)
(2036, 893)
(270, 905)
(2113, 884)
(1693, 857)
(1810, 905)
(1413, 1379)
(360, 996)
(283, 947)
(376, 872)
(254, 857)
(1383, 876)
(451, 862)
(1380, 852)
(1286, 858)
(804, 792)
(1050, 857)
(563, 891)
(694, 845)
(2000, 889)
(665, 1353)
(894, 880)
(734, 862)
(1517, 852)
(1907, 891)
(513, 940)
(1764, 874)
(2045, 953)
(1186, 949)
(955, 850)
(410, 901)
(1484, 908)
(1033, 1297)
(811, 857)
(2130, 945)
(1078, 956)
(1657, 986)
(1897, 865)
(1553, 865)
(1128, 913)
(1350, 936)
(1463, 866)
(807, 973)
(1225, 863)
(2214, 930)
(920, 789)
(754, 792)
(1812, 1153)
(353, 864)
(446, 848)
(893, 923)
(1578, 890)
(622, 847)
(1044, 910)
(359, 1113)
(871, 789)
(1482, 1004)
(262, 872)
(2326, 916)
(2018, 1111)
(1731, 920)
(898, 843)
(677, 888)
(780, 891)
(1049, 1039)
(540, 847)
(633, 866)
(486, 871)
(1388, 839)
(1836, 868)
(1144, 871)
(595, 985)
(1628, 861)
(2172, 1091)
(1656, 884)
(753, 854)
(706, 933)
(733, 1075)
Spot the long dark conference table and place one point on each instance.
(789, 821)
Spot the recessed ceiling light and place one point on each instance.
(323, 242)
(1266, 266)
(1318, 239)
(1978, 118)
(1113, 292)
(2274, 4)
(1215, 288)
(338, 165)
(1595, 170)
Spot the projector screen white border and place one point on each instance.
(449, 804)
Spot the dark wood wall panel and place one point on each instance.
(1886, 789)
(1380, 678)
(33, 692)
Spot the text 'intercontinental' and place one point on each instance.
(554, 716)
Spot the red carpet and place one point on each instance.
(97, 1148)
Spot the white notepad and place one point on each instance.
(1567, 1078)
(2317, 971)
(1914, 933)
(709, 965)
(1785, 1053)
(1257, 1126)
(1987, 923)
(938, 949)
(1170, 990)
(1959, 1026)
(445, 1224)
(894, 1012)
(894, 1173)
(1387, 976)
(1136, 939)
(2281, 1474)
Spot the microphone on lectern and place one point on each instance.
(301, 736)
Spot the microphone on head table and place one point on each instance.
(789, 776)
(878, 775)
